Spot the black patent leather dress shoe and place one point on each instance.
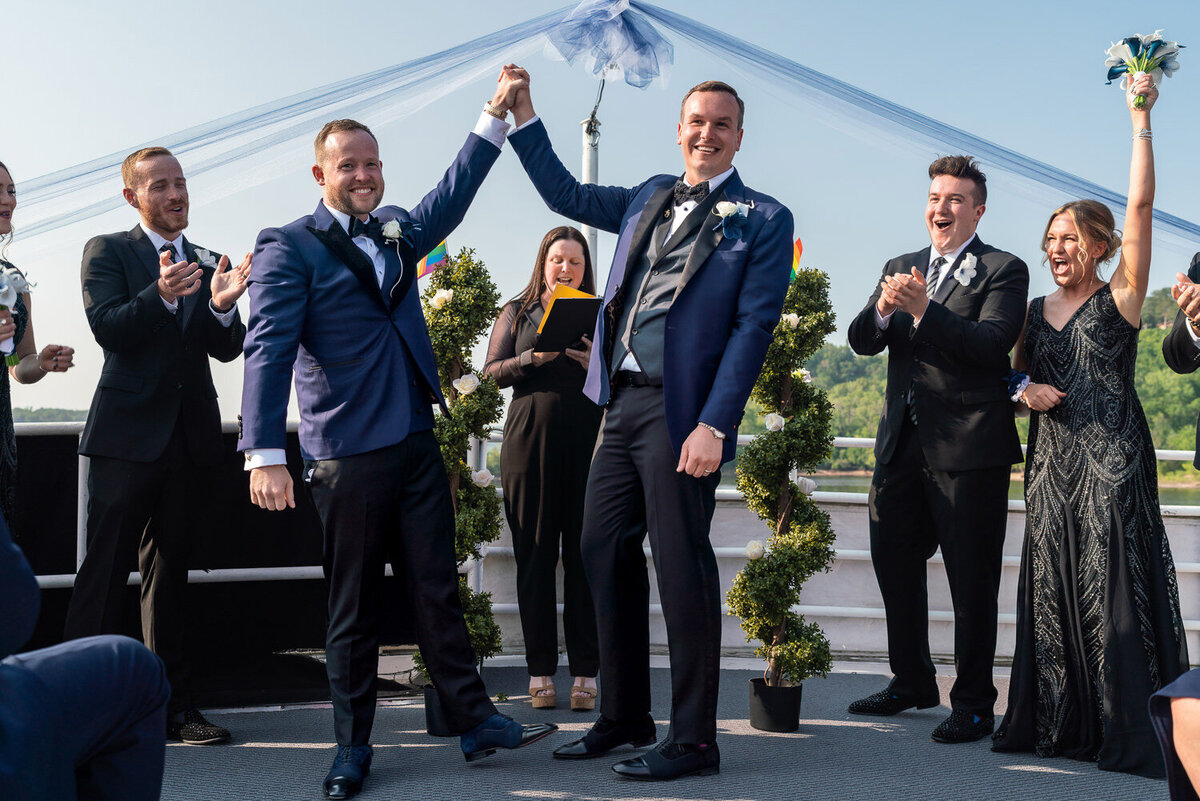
(351, 765)
(605, 735)
(671, 761)
(501, 731)
(194, 729)
(963, 727)
(886, 702)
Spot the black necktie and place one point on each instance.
(931, 275)
(684, 193)
(170, 250)
(372, 229)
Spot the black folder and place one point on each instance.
(566, 322)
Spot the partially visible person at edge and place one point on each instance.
(549, 434)
(1098, 622)
(17, 324)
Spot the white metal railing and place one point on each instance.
(477, 458)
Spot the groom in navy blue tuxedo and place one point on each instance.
(691, 305)
(334, 301)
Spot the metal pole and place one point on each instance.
(591, 162)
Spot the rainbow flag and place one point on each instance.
(797, 249)
(434, 259)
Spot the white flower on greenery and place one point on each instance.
(391, 229)
(792, 319)
(806, 485)
(803, 375)
(773, 422)
(965, 273)
(441, 298)
(466, 384)
(755, 550)
(482, 478)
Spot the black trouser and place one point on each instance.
(914, 509)
(392, 505)
(151, 509)
(633, 483)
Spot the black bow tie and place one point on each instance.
(372, 229)
(684, 193)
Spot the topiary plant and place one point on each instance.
(797, 416)
(460, 305)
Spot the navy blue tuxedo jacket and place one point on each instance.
(729, 299)
(317, 310)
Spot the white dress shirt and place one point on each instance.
(488, 128)
(951, 257)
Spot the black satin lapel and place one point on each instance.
(342, 246)
(706, 241)
(701, 214)
(192, 301)
(145, 251)
(655, 207)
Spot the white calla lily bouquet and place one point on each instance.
(12, 285)
(1142, 53)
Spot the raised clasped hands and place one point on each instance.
(1042, 397)
(271, 488)
(512, 81)
(905, 291)
(227, 284)
(1187, 295)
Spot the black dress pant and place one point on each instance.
(633, 486)
(392, 505)
(151, 509)
(914, 509)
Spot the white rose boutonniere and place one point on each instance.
(965, 273)
(774, 422)
(466, 384)
(441, 298)
(391, 230)
(205, 258)
(792, 320)
(755, 550)
(733, 216)
(481, 478)
(806, 485)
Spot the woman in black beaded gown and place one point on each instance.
(1098, 622)
(549, 435)
(29, 367)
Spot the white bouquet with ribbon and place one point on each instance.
(1142, 53)
(12, 285)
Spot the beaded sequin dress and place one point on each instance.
(1098, 623)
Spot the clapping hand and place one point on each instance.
(905, 291)
(1042, 397)
(1187, 295)
(228, 285)
(177, 279)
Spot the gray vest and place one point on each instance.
(642, 325)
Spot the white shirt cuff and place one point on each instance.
(492, 129)
(265, 457)
(882, 321)
(524, 125)
(172, 306)
(224, 318)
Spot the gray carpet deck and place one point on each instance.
(284, 755)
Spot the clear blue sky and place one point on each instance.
(83, 81)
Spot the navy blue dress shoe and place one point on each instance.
(501, 731)
(350, 767)
(605, 735)
(672, 761)
(963, 727)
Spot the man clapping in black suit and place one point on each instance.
(159, 306)
(1181, 348)
(948, 316)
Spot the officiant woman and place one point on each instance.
(549, 435)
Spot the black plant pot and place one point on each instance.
(436, 722)
(774, 708)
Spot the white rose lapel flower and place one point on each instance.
(466, 384)
(733, 217)
(205, 258)
(965, 273)
(441, 298)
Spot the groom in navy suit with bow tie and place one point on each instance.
(334, 300)
(691, 305)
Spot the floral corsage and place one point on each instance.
(1018, 382)
(733, 217)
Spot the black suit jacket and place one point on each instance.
(1180, 351)
(155, 368)
(956, 361)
